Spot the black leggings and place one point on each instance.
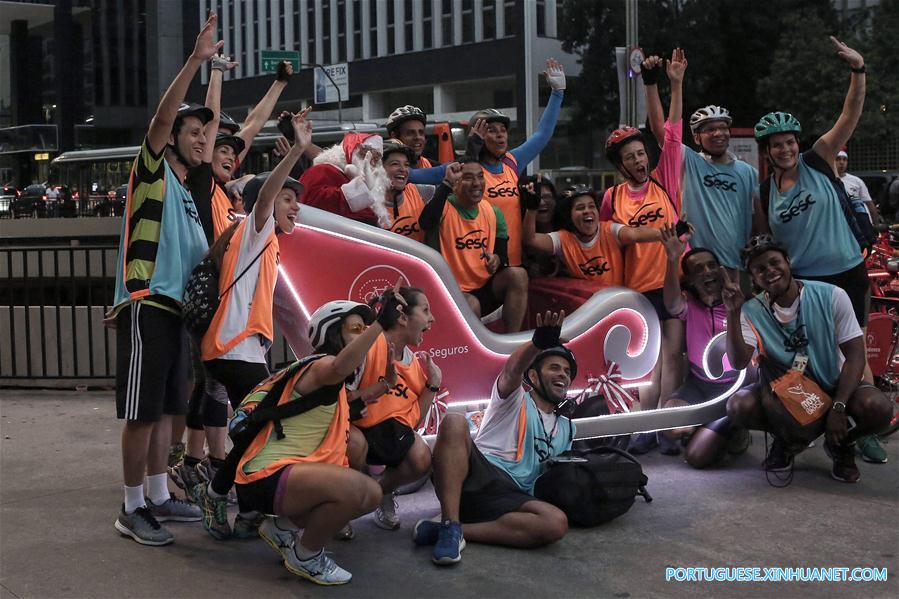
(239, 378)
(208, 404)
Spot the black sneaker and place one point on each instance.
(843, 456)
(667, 446)
(778, 460)
(643, 443)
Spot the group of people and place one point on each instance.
(360, 398)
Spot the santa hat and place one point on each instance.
(351, 141)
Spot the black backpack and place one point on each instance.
(857, 219)
(600, 486)
(201, 294)
(252, 416)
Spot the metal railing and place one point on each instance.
(95, 205)
(52, 304)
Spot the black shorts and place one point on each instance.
(266, 494)
(388, 442)
(856, 285)
(657, 300)
(488, 493)
(489, 302)
(696, 391)
(152, 363)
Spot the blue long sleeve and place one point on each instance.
(532, 146)
(428, 176)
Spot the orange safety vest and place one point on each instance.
(222, 211)
(502, 191)
(644, 262)
(401, 401)
(259, 319)
(406, 220)
(332, 450)
(465, 244)
(424, 163)
(602, 263)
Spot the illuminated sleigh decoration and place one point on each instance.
(614, 334)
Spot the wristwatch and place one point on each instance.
(839, 406)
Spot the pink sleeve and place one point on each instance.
(671, 160)
(605, 211)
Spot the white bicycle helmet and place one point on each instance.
(331, 314)
(709, 113)
(403, 114)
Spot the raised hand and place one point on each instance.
(555, 74)
(285, 70)
(435, 375)
(222, 63)
(674, 246)
(730, 292)
(855, 60)
(479, 129)
(390, 371)
(677, 65)
(650, 69)
(452, 174)
(205, 48)
(282, 146)
(302, 128)
(529, 196)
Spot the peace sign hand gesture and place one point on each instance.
(730, 292)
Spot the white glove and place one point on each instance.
(555, 76)
(351, 171)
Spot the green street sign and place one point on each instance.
(270, 60)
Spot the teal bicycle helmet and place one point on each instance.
(777, 122)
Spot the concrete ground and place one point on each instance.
(60, 491)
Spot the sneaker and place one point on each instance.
(185, 477)
(426, 532)
(279, 539)
(667, 446)
(739, 441)
(206, 470)
(319, 568)
(642, 443)
(450, 543)
(844, 468)
(871, 450)
(176, 454)
(247, 528)
(778, 460)
(175, 510)
(346, 533)
(141, 526)
(215, 514)
(385, 514)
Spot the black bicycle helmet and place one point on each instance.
(757, 246)
(394, 145)
(490, 115)
(403, 114)
(228, 124)
(226, 139)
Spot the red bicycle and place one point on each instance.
(883, 323)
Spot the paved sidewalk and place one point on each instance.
(60, 491)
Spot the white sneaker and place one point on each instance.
(385, 514)
(319, 568)
(280, 539)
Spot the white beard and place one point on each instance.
(333, 156)
(377, 181)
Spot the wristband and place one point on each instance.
(546, 337)
(282, 75)
(860, 69)
(650, 76)
(432, 388)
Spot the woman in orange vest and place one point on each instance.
(648, 201)
(395, 390)
(234, 347)
(297, 467)
(588, 248)
(404, 200)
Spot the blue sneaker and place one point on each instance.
(450, 544)
(426, 532)
(643, 443)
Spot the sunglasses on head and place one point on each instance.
(578, 190)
